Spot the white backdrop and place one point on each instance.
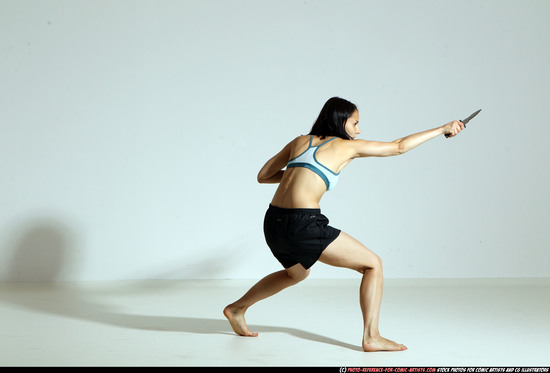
(131, 133)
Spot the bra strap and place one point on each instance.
(325, 142)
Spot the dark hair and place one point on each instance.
(332, 118)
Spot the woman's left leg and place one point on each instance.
(266, 287)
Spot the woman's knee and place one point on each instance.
(373, 263)
(348, 252)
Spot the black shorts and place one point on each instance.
(297, 235)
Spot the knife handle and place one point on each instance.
(447, 135)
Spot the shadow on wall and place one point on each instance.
(46, 250)
(214, 263)
(41, 250)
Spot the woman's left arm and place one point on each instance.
(365, 148)
(272, 172)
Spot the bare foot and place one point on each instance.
(381, 344)
(235, 315)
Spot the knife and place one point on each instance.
(467, 119)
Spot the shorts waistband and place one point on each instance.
(285, 211)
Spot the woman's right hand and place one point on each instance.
(452, 129)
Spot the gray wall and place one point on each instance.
(131, 133)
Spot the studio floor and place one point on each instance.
(474, 322)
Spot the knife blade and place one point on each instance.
(467, 120)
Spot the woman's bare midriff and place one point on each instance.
(299, 188)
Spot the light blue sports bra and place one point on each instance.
(308, 160)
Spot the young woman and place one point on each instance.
(296, 231)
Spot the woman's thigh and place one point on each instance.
(345, 251)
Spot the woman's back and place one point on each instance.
(313, 169)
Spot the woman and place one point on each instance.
(296, 231)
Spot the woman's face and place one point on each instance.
(352, 125)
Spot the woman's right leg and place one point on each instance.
(266, 287)
(347, 252)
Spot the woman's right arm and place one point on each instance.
(272, 171)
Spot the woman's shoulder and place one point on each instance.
(302, 137)
(295, 143)
(299, 140)
(346, 148)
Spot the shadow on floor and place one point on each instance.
(77, 303)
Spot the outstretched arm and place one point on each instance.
(365, 148)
